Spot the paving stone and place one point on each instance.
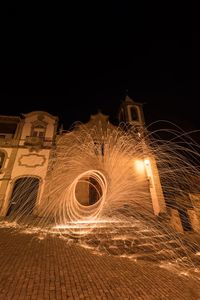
(52, 269)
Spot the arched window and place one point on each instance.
(133, 113)
(2, 157)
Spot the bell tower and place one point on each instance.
(131, 112)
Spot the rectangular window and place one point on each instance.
(2, 157)
(41, 133)
(34, 133)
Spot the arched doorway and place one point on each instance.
(95, 191)
(23, 197)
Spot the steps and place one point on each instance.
(139, 241)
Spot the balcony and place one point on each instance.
(8, 142)
(35, 141)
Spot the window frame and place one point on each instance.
(2, 164)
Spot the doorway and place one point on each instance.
(95, 191)
(185, 220)
(23, 198)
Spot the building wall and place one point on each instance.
(4, 173)
(26, 160)
(40, 117)
(28, 164)
(7, 152)
(157, 197)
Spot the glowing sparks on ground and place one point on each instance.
(103, 187)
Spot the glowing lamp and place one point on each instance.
(139, 166)
(147, 162)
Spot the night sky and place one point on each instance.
(73, 61)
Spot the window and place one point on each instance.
(2, 157)
(134, 113)
(38, 131)
(99, 148)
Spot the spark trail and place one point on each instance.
(98, 188)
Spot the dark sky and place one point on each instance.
(73, 60)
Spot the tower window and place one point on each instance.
(134, 113)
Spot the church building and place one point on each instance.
(27, 143)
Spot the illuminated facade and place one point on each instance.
(28, 142)
(25, 146)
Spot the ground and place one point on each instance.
(53, 268)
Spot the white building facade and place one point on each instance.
(25, 146)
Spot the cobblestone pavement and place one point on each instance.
(51, 268)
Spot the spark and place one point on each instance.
(99, 186)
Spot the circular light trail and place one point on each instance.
(72, 212)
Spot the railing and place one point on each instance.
(33, 141)
(29, 141)
(37, 141)
(8, 142)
